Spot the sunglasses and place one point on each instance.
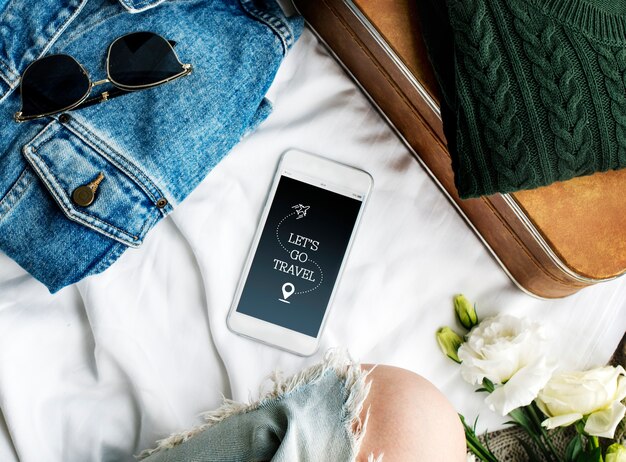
(59, 83)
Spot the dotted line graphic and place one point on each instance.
(287, 250)
(318, 284)
(278, 226)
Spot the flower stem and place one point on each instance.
(526, 417)
(543, 432)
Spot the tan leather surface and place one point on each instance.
(354, 45)
(398, 23)
(583, 220)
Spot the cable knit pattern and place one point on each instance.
(530, 80)
(503, 131)
(556, 76)
(612, 63)
(466, 181)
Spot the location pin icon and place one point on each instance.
(288, 290)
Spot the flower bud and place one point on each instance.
(615, 453)
(465, 312)
(449, 342)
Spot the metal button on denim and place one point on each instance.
(84, 195)
(153, 147)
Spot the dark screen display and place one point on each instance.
(299, 256)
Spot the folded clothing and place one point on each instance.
(534, 89)
(312, 416)
(148, 148)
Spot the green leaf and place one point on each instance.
(474, 444)
(475, 423)
(488, 385)
(530, 452)
(573, 449)
(486, 437)
(521, 419)
(591, 456)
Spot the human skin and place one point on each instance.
(409, 419)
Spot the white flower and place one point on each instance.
(508, 351)
(471, 457)
(595, 394)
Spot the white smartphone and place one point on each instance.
(299, 252)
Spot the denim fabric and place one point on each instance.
(150, 145)
(312, 417)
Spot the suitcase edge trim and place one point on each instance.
(425, 167)
(423, 92)
(510, 201)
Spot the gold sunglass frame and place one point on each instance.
(85, 101)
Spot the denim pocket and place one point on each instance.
(126, 203)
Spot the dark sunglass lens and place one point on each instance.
(52, 84)
(142, 59)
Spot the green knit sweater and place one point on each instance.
(539, 91)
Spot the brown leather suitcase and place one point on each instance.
(552, 241)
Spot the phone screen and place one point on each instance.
(299, 255)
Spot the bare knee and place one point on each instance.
(409, 419)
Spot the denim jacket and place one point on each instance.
(153, 146)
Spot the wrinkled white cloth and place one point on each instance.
(104, 368)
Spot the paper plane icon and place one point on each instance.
(300, 210)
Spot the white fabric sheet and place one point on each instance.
(102, 369)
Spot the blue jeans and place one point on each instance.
(153, 147)
(314, 416)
